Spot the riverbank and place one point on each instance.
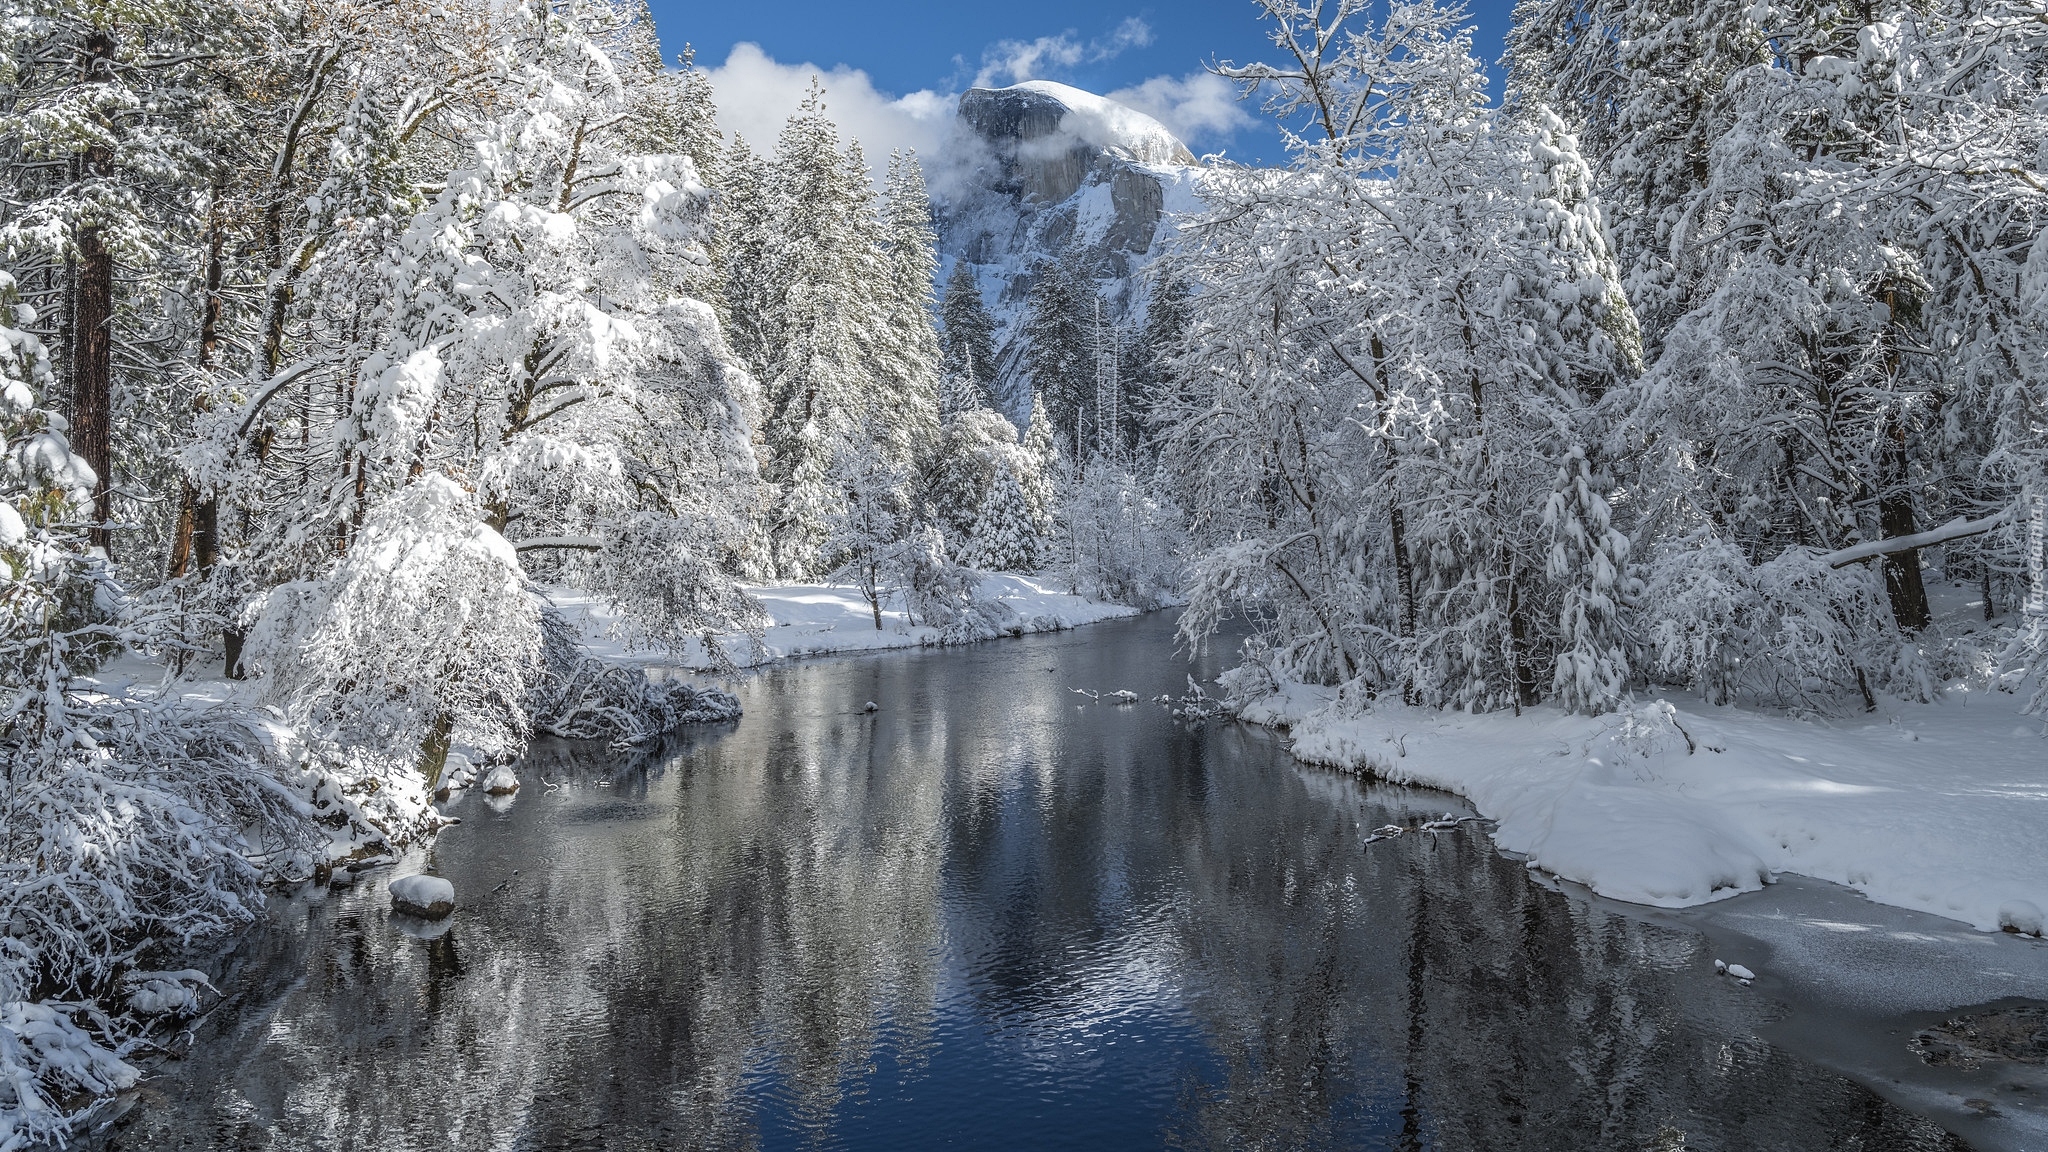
(1939, 808)
(829, 619)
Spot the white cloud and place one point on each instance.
(756, 93)
(1015, 61)
(1201, 108)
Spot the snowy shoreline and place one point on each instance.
(832, 619)
(1939, 808)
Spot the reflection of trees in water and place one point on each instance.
(1429, 992)
(724, 914)
(739, 926)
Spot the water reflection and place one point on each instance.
(992, 915)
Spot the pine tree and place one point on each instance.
(822, 315)
(906, 353)
(1004, 538)
(1042, 452)
(970, 334)
(1060, 349)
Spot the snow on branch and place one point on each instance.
(580, 543)
(1955, 529)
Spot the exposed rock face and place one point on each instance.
(1052, 171)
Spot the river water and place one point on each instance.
(990, 914)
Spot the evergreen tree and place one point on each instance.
(1004, 539)
(822, 315)
(906, 354)
(1041, 449)
(1060, 345)
(970, 335)
(1147, 367)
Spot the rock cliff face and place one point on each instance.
(1042, 171)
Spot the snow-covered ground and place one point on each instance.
(1942, 808)
(821, 619)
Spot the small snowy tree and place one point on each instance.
(1004, 538)
(1588, 565)
(868, 524)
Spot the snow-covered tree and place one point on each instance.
(1003, 537)
(970, 336)
(868, 524)
(1059, 353)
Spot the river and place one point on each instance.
(992, 913)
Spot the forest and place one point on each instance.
(338, 336)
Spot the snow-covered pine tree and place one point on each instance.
(1059, 352)
(975, 443)
(822, 315)
(905, 354)
(1042, 454)
(1586, 347)
(969, 334)
(1003, 539)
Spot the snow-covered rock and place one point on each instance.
(2023, 916)
(458, 773)
(1051, 170)
(501, 781)
(428, 897)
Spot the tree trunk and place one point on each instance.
(92, 367)
(1518, 639)
(1902, 583)
(434, 749)
(92, 381)
(1404, 577)
(189, 501)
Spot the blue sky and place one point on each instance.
(893, 67)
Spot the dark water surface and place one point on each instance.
(990, 915)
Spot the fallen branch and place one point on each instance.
(1955, 529)
(582, 543)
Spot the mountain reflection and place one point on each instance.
(991, 914)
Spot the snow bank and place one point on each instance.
(823, 619)
(1941, 808)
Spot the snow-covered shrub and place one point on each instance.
(584, 698)
(1120, 539)
(121, 822)
(864, 530)
(426, 626)
(943, 595)
(1791, 631)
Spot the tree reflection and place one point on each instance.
(746, 936)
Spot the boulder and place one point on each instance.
(428, 897)
(500, 781)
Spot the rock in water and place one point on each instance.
(501, 781)
(429, 897)
(871, 706)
